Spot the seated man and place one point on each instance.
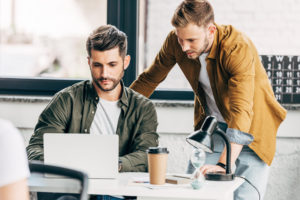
(103, 105)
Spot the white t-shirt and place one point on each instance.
(13, 159)
(209, 96)
(106, 118)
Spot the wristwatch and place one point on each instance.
(221, 165)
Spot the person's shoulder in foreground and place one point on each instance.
(14, 165)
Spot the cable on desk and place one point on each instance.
(250, 184)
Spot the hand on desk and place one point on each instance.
(211, 168)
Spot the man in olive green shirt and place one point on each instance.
(103, 105)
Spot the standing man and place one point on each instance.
(224, 69)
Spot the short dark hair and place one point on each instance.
(199, 12)
(107, 37)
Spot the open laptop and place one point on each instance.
(97, 155)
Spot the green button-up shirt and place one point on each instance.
(72, 110)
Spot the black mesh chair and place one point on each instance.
(39, 167)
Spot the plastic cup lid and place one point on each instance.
(156, 150)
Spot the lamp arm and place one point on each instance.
(228, 149)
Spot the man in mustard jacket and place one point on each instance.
(224, 69)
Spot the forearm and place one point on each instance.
(35, 152)
(46, 124)
(35, 149)
(159, 69)
(143, 85)
(237, 140)
(235, 152)
(134, 162)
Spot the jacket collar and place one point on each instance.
(91, 91)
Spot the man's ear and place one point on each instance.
(89, 60)
(126, 61)
(212, 29)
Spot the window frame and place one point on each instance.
(124, 15)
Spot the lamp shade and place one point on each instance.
(202, 137)
(200, 140)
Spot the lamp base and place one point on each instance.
(219, 176)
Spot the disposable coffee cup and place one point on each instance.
(157, 164)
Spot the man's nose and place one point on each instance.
(104, 71)
(185, 46)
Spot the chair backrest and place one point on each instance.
(39, 167)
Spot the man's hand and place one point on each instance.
(211, 168)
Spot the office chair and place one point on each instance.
(39, 167)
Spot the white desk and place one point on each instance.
(212, 190)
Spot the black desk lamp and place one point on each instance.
(202, 138)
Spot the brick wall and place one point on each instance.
(273, 26)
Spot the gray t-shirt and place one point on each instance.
(204, 81)
(106, 118)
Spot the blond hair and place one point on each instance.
(199, 12)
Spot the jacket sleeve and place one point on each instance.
(146, 137)
(159, 69)
(241, 68)
(53, 119)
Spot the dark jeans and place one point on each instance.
(56, 196)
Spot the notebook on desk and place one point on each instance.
(97, 155)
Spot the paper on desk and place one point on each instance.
(166, 186)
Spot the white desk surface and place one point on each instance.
(217, 190)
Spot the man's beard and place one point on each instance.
(115, 82)
(202, 50)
